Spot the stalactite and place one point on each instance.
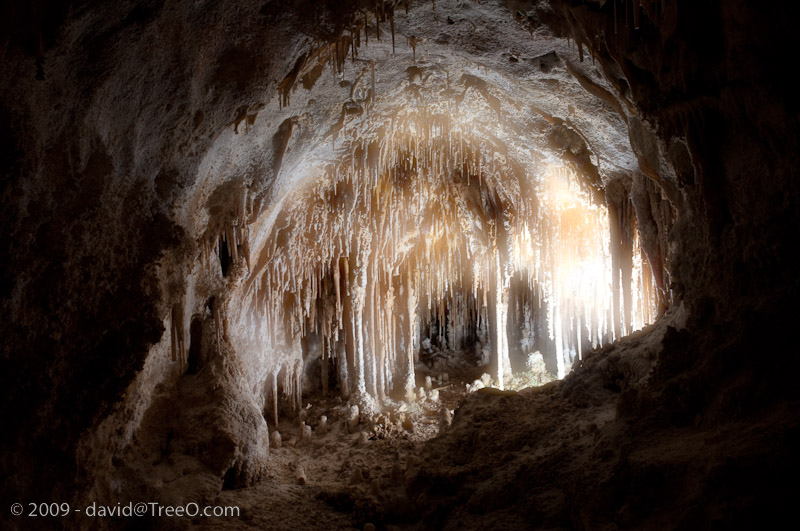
(411, 312)
(298, 384)
(501, 312)
(275, 398)
(412, 42)
(178, 335)
(373, 94)
(352, 44)
(358, 319)
(391, 25)
(377, 22)
(345, 243)
(626, 13)
(325, 358)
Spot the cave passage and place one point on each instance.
(403, 208)
(399, 264)
(453, 264)
(395, 225)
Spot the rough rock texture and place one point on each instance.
(705, 440)
(601, 450)
(107, 112)
(130, 132)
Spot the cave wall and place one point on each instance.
(692, 424)
(711, 103)
(96, 260)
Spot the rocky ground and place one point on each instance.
(354, 475)
(355, 470)
(609, 447)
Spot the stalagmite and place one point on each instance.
(300, 474)
(445, 419)
(353, 419)
(305, 433)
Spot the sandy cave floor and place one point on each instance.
(335, 497)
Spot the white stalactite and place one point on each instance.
(358, 311)
(421, 209)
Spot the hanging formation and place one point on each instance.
(419, 231)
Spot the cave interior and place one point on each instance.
(400, 264)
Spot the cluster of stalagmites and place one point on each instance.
(364, 426)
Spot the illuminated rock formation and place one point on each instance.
(212, 211)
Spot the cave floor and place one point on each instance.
(350, 480)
